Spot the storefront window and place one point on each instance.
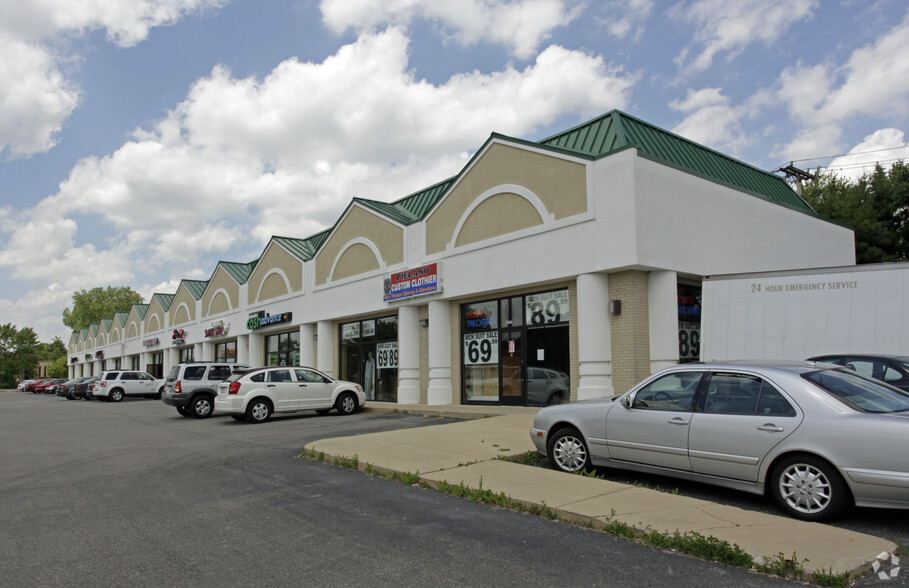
(480, 326)
(186, 354)
(689, 302)
(282, 349)
(226, 352)
(369, 356)
(515, 350)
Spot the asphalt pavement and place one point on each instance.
(468, 452)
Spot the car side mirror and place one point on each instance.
(626, 401)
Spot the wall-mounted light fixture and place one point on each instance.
(424, 322)
(615, 307)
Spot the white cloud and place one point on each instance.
(519, 25)
(240, 160)
(883, 147)
(626, 18)
(711, 120)
(37, 97)
(874, 82)
(730, 27)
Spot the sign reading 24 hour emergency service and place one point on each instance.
(410, 283)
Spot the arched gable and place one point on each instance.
(358, 257)
(282, 271)
(557, 184)
(337, 259)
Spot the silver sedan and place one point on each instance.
(817, 437)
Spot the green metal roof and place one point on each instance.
(616, 130)
(121, 318)
(94, 329)
(105, 323)
(302, 249)
(140, 309)
(83, 334)
(165, 300)
(195, 287)
(240, 272)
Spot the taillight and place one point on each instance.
(177, 388)
(234, 388)
(102, 383)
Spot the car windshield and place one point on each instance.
(859, 392)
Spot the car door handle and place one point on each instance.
(301, 385)
(269, 385)
(677, 421)
(770, 427)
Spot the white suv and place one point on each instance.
(113, 385)
(261, 392)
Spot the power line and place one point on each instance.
(848, 154)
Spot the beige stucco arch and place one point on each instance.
(274, 285)
(499, 211)
(356, 257)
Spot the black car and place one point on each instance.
(892, 369)
(69, 390)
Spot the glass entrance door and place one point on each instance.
(511, 352)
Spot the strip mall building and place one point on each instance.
(547, 271)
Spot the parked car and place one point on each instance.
(545, 386)
(259, 393)
(81, 390)
(113, 385)
(30, 387)
(893, 369)
(67, 389)
(191, 387)
(48, 386)
(21, 386)
(816, 437)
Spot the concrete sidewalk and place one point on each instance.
(467, 452)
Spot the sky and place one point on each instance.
(143, 141)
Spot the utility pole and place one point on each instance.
(797, 175)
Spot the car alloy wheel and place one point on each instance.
(347, 404)
(259, 411)
(808, 488)
(568, 451)
(116, 395)
(201, 407)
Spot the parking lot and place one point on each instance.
(132, 491)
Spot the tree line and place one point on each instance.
(21, 352)
(876, 207)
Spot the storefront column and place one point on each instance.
(208, 351)
(325, 347)
(439, 353)
(664, 320)
(255, 350)
(243, 349)
(197, 352)
(409, 355)
(594, 337)
(171, 358)
(307, 345)
(144, 360)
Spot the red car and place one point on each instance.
(42, 388)
(30, 387)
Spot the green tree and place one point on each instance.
(98, 303)
(58, 369)
(876, 207)
(53, 350)
(19, 353)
